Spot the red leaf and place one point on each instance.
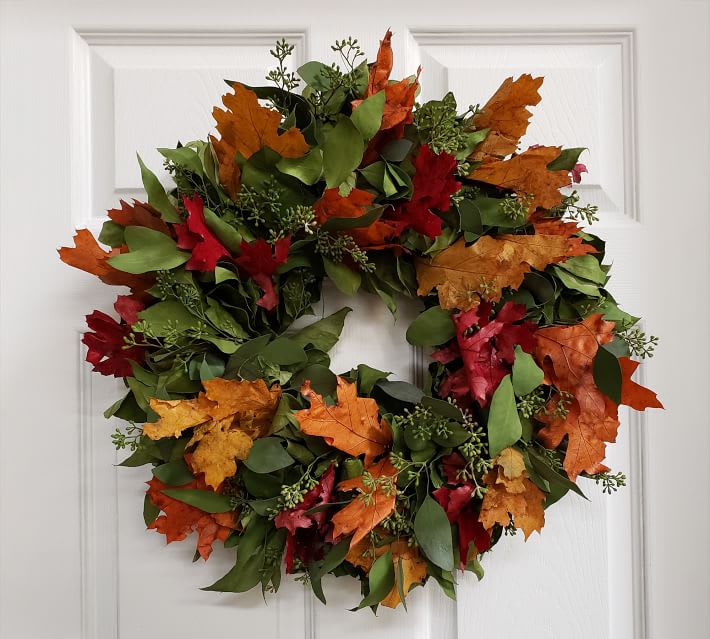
(296, 517)
(259, 263)
(194, 235)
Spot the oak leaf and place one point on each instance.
(373, 503)
(463, 273)
(195, 236)
(567, 229)
(257, 260)
(382, 67)
(364, 554)
(226, 418)
(352, 425)
(245, 127)
(633, 394)
(528, 176)
(510, 496)
(506, 116)
(138, 214)
(180, 519)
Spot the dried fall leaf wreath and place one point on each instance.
(252, 439)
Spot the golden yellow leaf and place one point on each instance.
(363, 555)
(511, 496)
(227, 417)
(466, 274)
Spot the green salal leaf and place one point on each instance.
(323, 380)
(185, 157)
(504, 427)
(566, 159)
(149, 250)
(575, 283)
(168, 316)
(473, 139)
(323, 334)
(111, 234)
(367, 116)
(267, 455)
(157, 197)
(222, 319)
(205, 500)
(585, 266)
(607, 374)
(492, 213)
(308, 169)
(396, 150)
(284, 352)
(433, 533)
(527, 375)
(431, 328)
(335, 224)
(380, 580)
(174, 473)
(554, 478)
(401, 391)
(332, 559)
(150, 511)
(315, 74)
(443, 408)
(343, 147)
(227, 234)
(345, 279)
(367, 377)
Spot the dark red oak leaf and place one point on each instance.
(260, 264)
(195, 236)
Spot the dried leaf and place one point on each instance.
(352, 425)
(511, 496)
(568, 230)
(382, 67)
(633, 394)
(227, 417)
(466, 274)
(138, 214)
(371, 506)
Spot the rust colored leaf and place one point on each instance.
(568, 230)
(88, 256)
(226, 418)
(138, 214)
(352, 425)
(506, 116)
(527, 174)
(511, 496)
(464, 274)
(382, 67)
(373, 503)
(364, 554)
(633, 394)
(245, 127)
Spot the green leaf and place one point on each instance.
(527, 375)
(367, 377)
(335, 224)
(205, 500)
(284, 351)
(184, 156)
(149, 250)
(433, 533)
(346, 279)
(544, 470)
(431, 328)
(585, 266)
(224, 320)
(111, 234)
(367, 116)
(576, 283)
(315, 74)
(402, 391)
(157, 197)
(308, 169)
(324, 333)
(267, 455)
(504, 427)
(607, 374)
(333, 558)
(175, 473)
(167, 316)
(225, 233)
(343, 148)
(150, 511)
(380, 580)
(222, 274)
(566, 159)
(323, 380)
(491, 213)
(440, 407)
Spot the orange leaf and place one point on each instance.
(363, 555)
(567, 229)
(370, 507)
(382, 67)
(633, 394)
(245, 128)
(180, 519)
(88, 256)
(506, 116)
(138, 214)
(352, 425)
(527, 174)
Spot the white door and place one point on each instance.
(86, 84)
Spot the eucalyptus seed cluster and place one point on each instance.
(337, 247)
(639, 344)
(532, 403)
(439, 125)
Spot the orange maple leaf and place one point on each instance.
(352, 425)
(138, 214)
(382, 67)
(180, 519)
(506, 116)
(633, 394)
(371, 506)
(527, 174)
(246, 127)
(88, 256)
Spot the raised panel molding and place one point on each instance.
(133, 91)
(590, 73)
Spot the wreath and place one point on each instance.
(251, 438)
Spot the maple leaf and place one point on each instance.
(352, 425)
(194, 235)
(433, 185)
(364, 554)
(511, 497)
(633, 394)
(180, 519)
(138, 214)
(354, 205)
(245, 127)
(371, 506)
(382, 67)
(88, 256)
(567, 229)
(106, 341)
(257, 260)
(506, 116)
(491, 264)
(527, 175)
(226, 418)
(487, 353)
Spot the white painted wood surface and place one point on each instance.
(86, 84)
